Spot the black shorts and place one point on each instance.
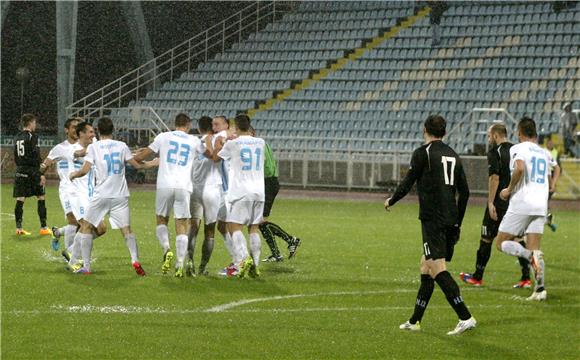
(489, 227)
(27, 185)
(271, 188)
(438, 240)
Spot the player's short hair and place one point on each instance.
(498, 128)
(82, 127)
(105, 126)
(242, 122)
(181, 120)
(69, 121)
(527, 126)
(224, 118)
(435, 125)
(204, 123)
(26, 119)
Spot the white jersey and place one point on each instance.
(530, 197)
(177, 151)
(86, 184)
(224, 165)
(108, 158)
(205, 171)
(66, 163)
(246, 175)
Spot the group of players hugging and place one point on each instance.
(227, 177)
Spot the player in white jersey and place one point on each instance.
(86, 135)
(110, 196)
(245, 196)
(177, 151)
(205, 201)
(528, 193)
(221, 130)
(63, 156)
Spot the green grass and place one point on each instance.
(358, 264)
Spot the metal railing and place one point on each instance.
(182, 58)
(135, 125)
(471, 130)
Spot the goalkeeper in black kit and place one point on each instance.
(443, 194)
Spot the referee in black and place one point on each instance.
(28, 180)
(439, 175)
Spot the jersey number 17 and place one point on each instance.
(449, 169)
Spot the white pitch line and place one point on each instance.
(231, 305)
(11, 216)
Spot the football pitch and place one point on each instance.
(353, 281)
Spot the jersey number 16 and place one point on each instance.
(114, 165)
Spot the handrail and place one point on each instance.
(468, 120)
(171, 63)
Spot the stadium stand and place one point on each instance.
(366, 70)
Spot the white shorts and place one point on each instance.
(245, 212)
(65, 202)
(519, 225)
(74, 203)
(205, 201)
(117, 208)
(223, 207)
(176, 199)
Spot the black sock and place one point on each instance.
(423, 297)
(42, 213)
(206, 251)
(278, 231)
(451, 291)
(269, 237)
(525, 264)
(18, 211)
(483, 255)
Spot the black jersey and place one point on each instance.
(439, 175)
(498, 161)
(26, 152)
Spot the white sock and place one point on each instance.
(69, 236)
(163, 237)
(86, 249)
(514, 248)
(180, 249)
(239, 246)
(229, 243)
(131, 243)
(255, 244)
(540, 280)
(75, 252)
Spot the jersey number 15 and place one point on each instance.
(20, 149)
